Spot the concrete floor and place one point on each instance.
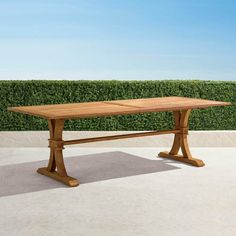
(123, 192)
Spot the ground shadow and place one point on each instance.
(23, 178)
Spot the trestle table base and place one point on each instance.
(56, 167)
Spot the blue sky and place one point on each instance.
(118, 39)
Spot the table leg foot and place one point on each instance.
(71, 182)
(191, 161)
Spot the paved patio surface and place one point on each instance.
(123, 192)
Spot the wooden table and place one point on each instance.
(57, 114)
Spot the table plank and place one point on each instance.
(115, 107)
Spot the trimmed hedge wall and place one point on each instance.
(18, 93)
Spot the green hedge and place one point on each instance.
(18, 93)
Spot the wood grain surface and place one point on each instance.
(116, 107)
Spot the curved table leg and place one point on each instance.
(56, 167)
(181, 141)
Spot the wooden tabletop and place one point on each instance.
(116, 107)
